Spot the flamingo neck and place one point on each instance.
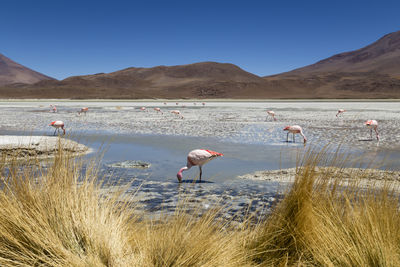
(304, 137)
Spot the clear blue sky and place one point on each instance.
(63, 38)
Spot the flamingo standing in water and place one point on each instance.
(53, 108)
(58, 125)
(372, 124)
(83, 110)
(198, 157)
(340, 111)
(158, 110)
(272, 114)
(177, 112)
(294, 129)
(142, 108)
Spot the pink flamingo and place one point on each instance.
(177, 112)
(272, 114)
(294, 129)
(53, 108)
(198, 157)
(83, 110)
(58, 125)
(158, 110)
(203, 104)
(142, 108)
(340, 111)
(372, 124)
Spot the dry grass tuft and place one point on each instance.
(321, 222)
(56, 217)
(186, 240)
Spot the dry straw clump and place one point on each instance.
(57, 217)
(321, 222)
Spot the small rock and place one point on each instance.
(129, 164)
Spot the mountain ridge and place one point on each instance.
(13, 72)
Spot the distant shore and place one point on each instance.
(197, 100)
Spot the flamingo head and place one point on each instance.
(179, 175)
(52, 123)
(286, 128)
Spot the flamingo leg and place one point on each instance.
(294, 138)
(377, 134)
(287, 137)
(55, 131)
(370, 133)
(201, 171)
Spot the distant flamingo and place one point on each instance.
(58, 125)
(372, 124)
(203, 104)
(272, 114)
(83, 110)
(340, 111)
(53, 108)
(142, 108)
(177, 112)
(158, 110)
(165, 103)
(294, 129)
(197, 157)
(176, 103)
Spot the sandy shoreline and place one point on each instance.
(346, 176)
(38, 146)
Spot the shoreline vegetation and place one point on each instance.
(58, 215)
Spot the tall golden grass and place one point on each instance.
(60, 215)
(324, 222)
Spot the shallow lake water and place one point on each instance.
(249, 139)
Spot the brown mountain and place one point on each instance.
(370, 72)
(198, 80)
(12, 72)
